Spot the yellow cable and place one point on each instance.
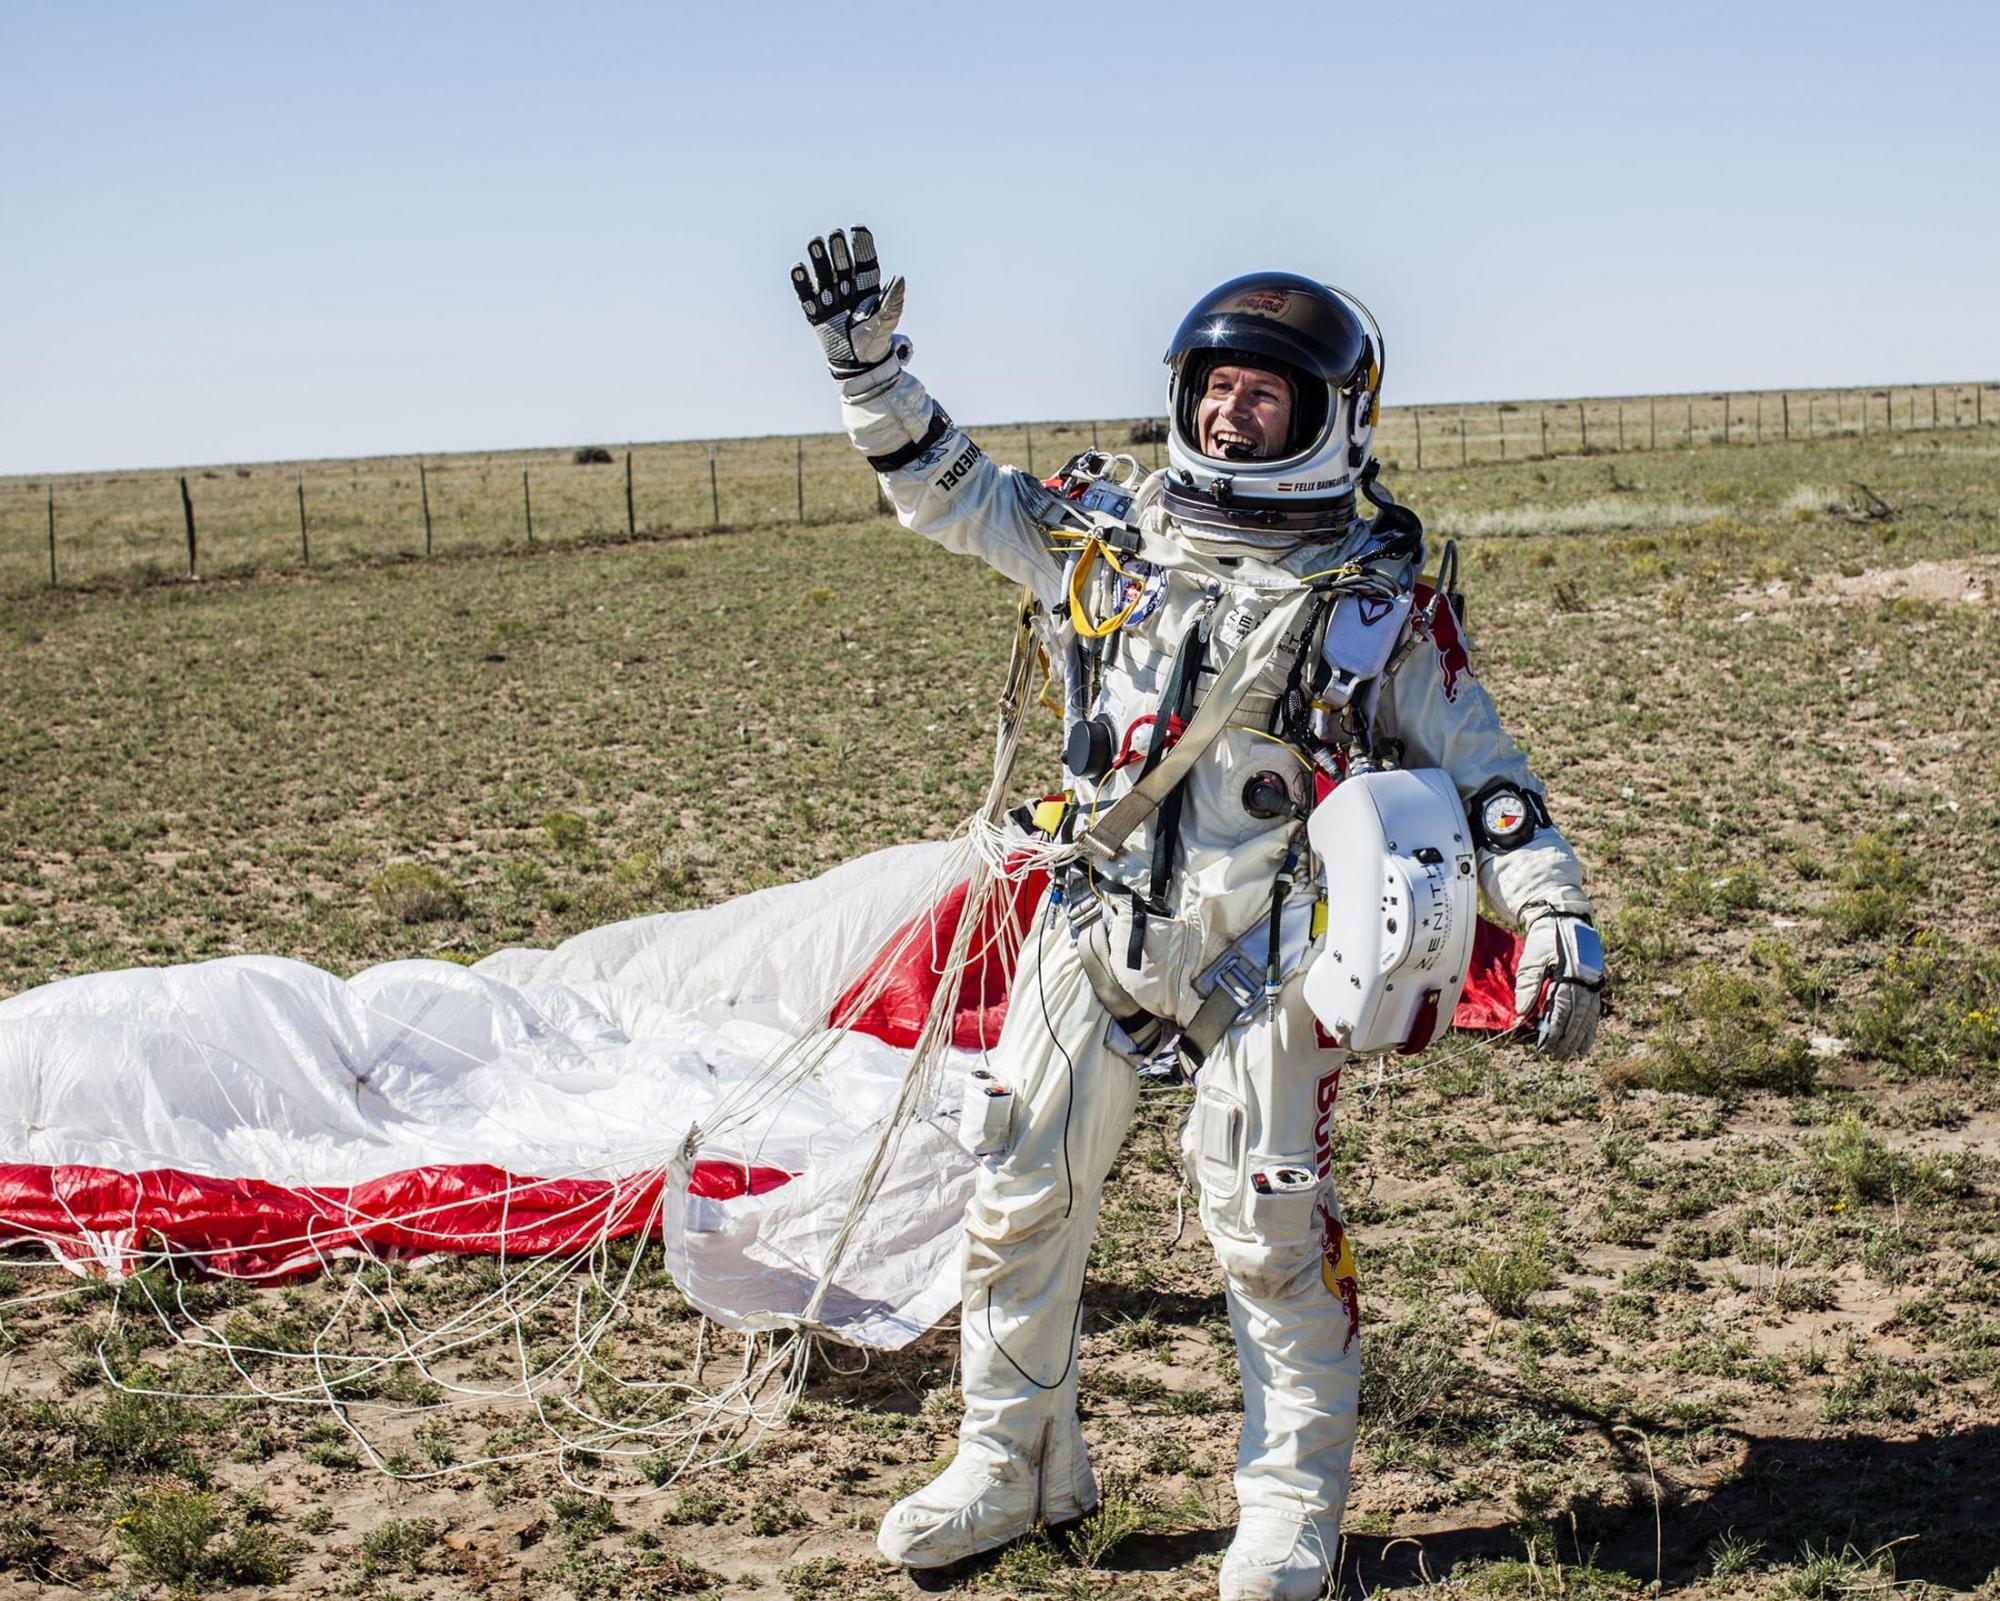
(1351, 570)
(1303, 760)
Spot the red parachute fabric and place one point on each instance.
(914, 955)
(917, 950)
(251, 1228)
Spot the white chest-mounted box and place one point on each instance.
(1402, 895)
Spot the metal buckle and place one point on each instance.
(1237, 974)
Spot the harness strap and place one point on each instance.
(1215, 1016)
(1147, 1030)
(1231, 687)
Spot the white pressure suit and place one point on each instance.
(1120, 958)
(1265, 1094)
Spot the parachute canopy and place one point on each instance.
(258, 1117)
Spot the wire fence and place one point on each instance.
(85, 528)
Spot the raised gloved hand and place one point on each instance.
(854, 317)
(1558, 988)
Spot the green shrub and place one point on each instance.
(415, 892)
(566, 830)
(1873, 892)
(400, 1543)
(144, 1433)
(1413, 1381)
(1726, 1034)
(1856, 1166)
(773, 1513)
(1935, 1009)
(1506, 1279)
(171, 1534)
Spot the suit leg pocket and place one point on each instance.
(1281, 1228)
(1214, 1144)
(986, 1120)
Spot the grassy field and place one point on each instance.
(1719, 1308)
(129, 525)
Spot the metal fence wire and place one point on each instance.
(81, 528)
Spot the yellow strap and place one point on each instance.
(1077, 579)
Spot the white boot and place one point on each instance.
(986, 1499)
(1280, 1556)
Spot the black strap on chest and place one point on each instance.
(1176, 703)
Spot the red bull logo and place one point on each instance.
(1452, 656)
(1336, 1267)
(1337, 1271)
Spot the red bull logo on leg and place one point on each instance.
(1336, 1268)
(1337, 1271)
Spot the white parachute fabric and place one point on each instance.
(524, 1104)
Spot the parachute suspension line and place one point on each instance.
(982, 884)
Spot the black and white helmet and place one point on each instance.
(1328, 347)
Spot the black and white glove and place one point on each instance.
(1558, 988)
(854, 317)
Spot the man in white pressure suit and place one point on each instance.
(1273, 386)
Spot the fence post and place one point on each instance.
(1812, 415)
(527, 506)
(1028, 431)
(1934, 421)
(1621, 427)
(1583, 425)
(424, 487)
(1093, 436)
(52, 536)
(1889, 409)
(1725, 419)
(1785, 411)
(631, 513)
(1419, 416)
(187, 511)
(1545, 433)
(305, 546)
(714, 494)
(799, 464)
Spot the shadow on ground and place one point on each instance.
(1931, 1500)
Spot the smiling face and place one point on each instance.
(1246, 414)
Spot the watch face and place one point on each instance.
(1504, 817)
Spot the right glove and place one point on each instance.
(856, 324)
(1559, 985)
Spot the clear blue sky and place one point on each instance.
(256, 231)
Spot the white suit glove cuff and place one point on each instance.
(890, 415)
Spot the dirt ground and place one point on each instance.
(1717, 1310)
